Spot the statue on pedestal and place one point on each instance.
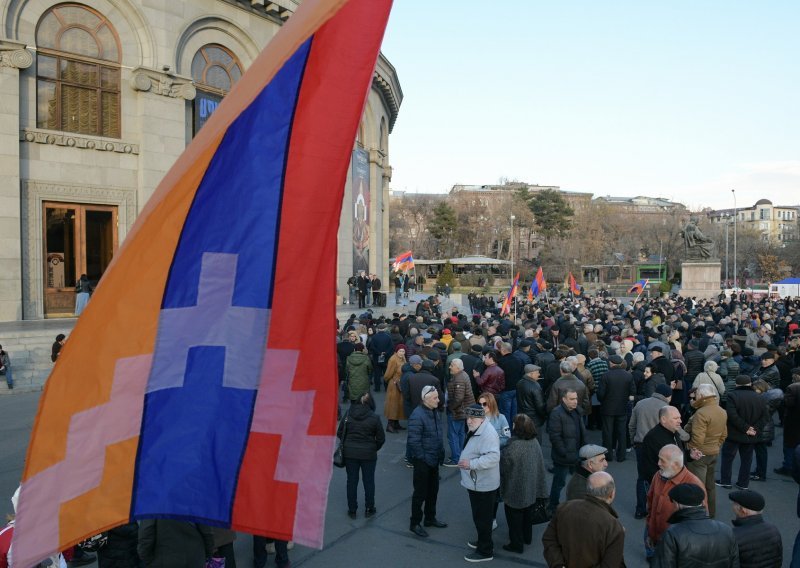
(698, 246)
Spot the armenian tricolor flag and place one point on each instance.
(573, 286)
(639, 287)
(506, 308)
(191, 387)
(538, 286)
(404, 262)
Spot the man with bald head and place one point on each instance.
(586, 532)
(671, 472)
(667, 431)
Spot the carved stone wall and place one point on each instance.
(34, 194)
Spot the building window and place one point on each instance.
(77, 72)
(214, 70)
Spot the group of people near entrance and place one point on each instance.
(684, 385)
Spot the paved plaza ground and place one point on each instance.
(384, 540)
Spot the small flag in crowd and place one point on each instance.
(404, 262)
(573, 286)
(506, 308)
(538, 286)
(639, 287)
(199, 396)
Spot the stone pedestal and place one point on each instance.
(700, 279)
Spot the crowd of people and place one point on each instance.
(684, 385)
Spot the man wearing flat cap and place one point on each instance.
(480, 476)
(759, 542)
(694, 540)
(593, 459)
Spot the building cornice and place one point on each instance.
(276, 12)
(80, 141)
(14, 54)
(386, 82)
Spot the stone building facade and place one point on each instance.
(775, 223)
(98, 98)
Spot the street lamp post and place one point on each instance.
(735, 222)
(727, 226)
(511, 247)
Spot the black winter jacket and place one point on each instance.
(120, 550)
(512, 367)
(615, 388)
(745, 408)
(364, 435)
(695, 360)
(695, 541)
(530, 401)
(567, 435)
(652, 443)
(425, 436)
(165, 543)
(759, 543)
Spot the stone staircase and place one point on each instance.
(29, 344)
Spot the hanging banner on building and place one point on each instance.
(360, 210)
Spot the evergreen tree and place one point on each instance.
(552, 213)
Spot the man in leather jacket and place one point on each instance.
(530, 398)
(693, 540)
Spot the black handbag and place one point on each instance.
(338, 455)
(540, 514)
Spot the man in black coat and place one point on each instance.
(380, 348)
(694, 359)
(693, 540)
(420, 380)
(512, 368)
(759, 542)
(530, 399)
(567, 435)
(661, 364)
(747, 417)
(362, 283)
(616, 391)
(667, 431)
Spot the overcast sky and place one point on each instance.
(681, 99)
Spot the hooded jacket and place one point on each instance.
(359, 370)
(364, 435)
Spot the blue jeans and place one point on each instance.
(9, 378)
(560, 473)
(456, 433)
(367, 470)
(507, 404)
(398, 292)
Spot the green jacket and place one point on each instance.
(359, 371)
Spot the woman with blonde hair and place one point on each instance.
(500, 424)
(393, 405)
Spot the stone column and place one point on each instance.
(13, 57)
(162, 112)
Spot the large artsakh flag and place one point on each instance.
(195, 385)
